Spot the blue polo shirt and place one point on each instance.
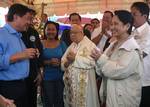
(10, 44)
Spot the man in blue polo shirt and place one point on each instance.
(14, 56)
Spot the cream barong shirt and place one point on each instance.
(79, 78)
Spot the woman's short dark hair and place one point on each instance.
(17, 9)
(57, 28)
(125, 17)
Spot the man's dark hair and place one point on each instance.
(33, 12)
(142, 7)
(74, 14)
(111, 13)
(17, 9)
(95, 19)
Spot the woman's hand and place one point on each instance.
(96, 53)
(53, 62)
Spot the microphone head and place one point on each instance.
(32, 38)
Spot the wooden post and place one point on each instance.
(42, 7)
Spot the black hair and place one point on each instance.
(125, 17)
(111, 13)
(88, 24)
(55, 24)
(95, 19)
(17, 9)
(74, 14)
(142, 7)
(32, 11)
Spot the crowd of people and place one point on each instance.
(101, 64)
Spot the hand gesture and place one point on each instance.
(30, 53)
(55, 61)
(4, 102)
(71, 56)
(96, 54)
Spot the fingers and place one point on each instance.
(70, 57)
(31, 53)
(37, 53)
(96, 53)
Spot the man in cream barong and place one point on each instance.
(79, 76)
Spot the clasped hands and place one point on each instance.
(96, 53)
(70, 58)
(52, 62)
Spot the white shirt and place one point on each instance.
(103, 40)
(142, 36)
(121, 76)
(96, 32)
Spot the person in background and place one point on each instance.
(31, 40)
(4, 102)
(102, 40)
(74, 18)
(88, 27)
(140, 12)
(96, 27)
(120, 65)
(148, 3)
(53, 50)
(14, 63)
(79, 71)
(44, 19)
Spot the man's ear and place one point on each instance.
(128, 26)
(145, 16)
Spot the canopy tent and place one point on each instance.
(61, 7)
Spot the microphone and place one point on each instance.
(32, 39)
(35, 60)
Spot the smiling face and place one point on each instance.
(106, 20)
(118, 28)
(51, 31)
